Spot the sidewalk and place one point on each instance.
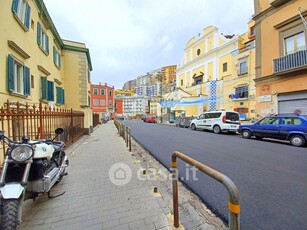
(92, 201)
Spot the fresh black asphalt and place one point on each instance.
(270, 175)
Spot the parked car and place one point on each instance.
(217, 121)
(150, 120)
(144, 118)
(185, 122)
(283, 127)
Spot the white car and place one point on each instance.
(217, 121)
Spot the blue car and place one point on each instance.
(283, 127)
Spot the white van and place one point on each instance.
(217, 121)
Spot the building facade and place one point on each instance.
(38, 65)
(103, 100)
(169, 77)
(133, 105)
(217, 72)
(119, 112)
(281, 56)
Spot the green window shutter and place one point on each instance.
(26, 81)
(44, 87)
(58, 95)
(15, 6)
(39, 34)
(27, 16)
(47, 44)
(59, 60)
(50, 96)
(54, 55)
(63, 96)
(10, 73)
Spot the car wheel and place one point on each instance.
(297, 141)
(246, 134)
(259, 138)
(216, 129)
(193, 127)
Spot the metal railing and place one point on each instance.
(234, 196)
(39, 122)
(291, 61)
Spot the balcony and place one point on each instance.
(291, 62)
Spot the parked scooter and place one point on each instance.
(30, 168)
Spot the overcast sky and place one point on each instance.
(128, 38)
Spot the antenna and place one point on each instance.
(303, 19)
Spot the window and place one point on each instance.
(22, 11)
(102, 102)
(198, 52)
(110, 93)
(56, 57)
(291, 121)
(47, 89)
(252, 31)
(42, 38)
(181, 82)
(225, 67)
(270, 121)
(59, 95)
(110, 102)
(242, 66)
(241, 92)
(95, 91)
(102, 91)
(96, 102)
(18, 77)
(295, 43)
(212, 115)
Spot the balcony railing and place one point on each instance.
(291, 61)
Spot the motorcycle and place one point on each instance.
(30, 168)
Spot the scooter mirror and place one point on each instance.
(59, 131)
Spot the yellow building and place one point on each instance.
(168, 77)
(37, 65)
(237, 74)
(281, 56)
(217, 71)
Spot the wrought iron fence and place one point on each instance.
(39, 122)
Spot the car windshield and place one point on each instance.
(232, 116)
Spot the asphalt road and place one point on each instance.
(270, 175)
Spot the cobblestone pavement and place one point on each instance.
(92, 201)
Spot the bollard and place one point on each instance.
(129, 131)
(123, 131)
(126, 137)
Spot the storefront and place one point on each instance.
(292, 103)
